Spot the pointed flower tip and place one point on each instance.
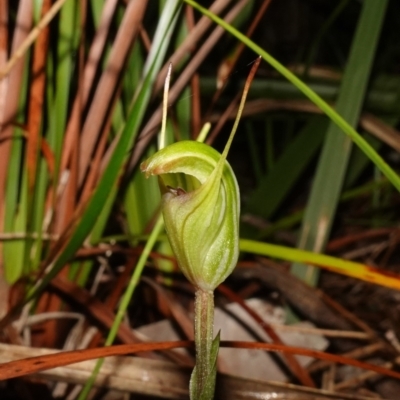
(202, 227)
(150, 168)
(143, 168)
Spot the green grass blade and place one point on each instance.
(153, 63)
(125, 302)
(338, 265)
(142, 198)
(66, 50)
(358, 162)
(320, 35)
(317, 100)
(275, 186)
(16, 207)
(104, 187)
(327, 185)
(15, 251)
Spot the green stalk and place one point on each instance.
(203, 336)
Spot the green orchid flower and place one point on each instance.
(200, 205)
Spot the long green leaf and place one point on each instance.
(336, 151)
(326, 108)
(275, 186)
(338, 265)
(15, 217)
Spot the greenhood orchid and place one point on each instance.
(200, 205)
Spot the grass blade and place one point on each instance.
(273, 188)
(338, 265)
(336, 151)
(325, 107)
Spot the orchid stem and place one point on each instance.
(203, 334)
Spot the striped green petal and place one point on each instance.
(200, 205)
